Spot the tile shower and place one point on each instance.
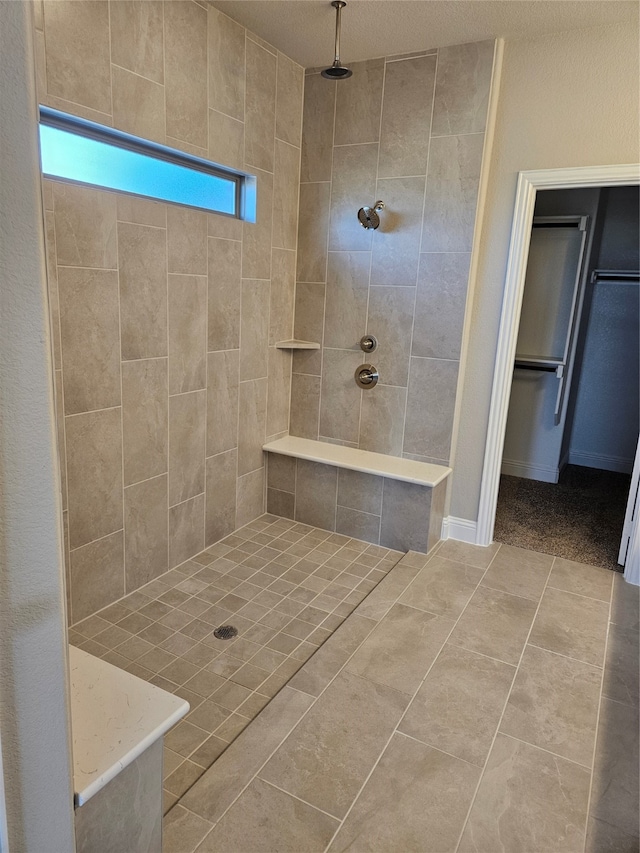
(165, 319)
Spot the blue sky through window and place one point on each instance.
(66, 154)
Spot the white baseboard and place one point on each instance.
(530, 472)
(605, 463)
(459, 529)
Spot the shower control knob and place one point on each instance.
(368, 343)
(366, 376)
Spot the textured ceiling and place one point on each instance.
(304, 29)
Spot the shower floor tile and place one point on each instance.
(285, 587)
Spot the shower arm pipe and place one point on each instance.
(338, 5)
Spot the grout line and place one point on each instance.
(437, 749)
(299, 799)
(548, 751)
(600, 701)
(567, 657)
(515, 675)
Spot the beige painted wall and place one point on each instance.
(566, 99)
(34, 731)
(165, 318)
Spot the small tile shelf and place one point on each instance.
(293, 344)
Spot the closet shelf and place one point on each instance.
(293, 344)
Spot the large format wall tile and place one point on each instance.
(187, 333)
(220, 519)
(260, 107)
(185, 61)
(225, 258)
(406, 116)
(254, 329)
(462, 88)
(452, 193)
(285, 195)
(77, 39)
(347, 296)
(383, 146)
(145, 419)
(222, 401)
(226, 65)
(317, 128)
(85, 222)
(226, 140)
(353, 184)
(143, 291)
(313, 226)
(186, 240)
(316, 487)
(278, 391)
(256, 236)
(440, 304)
(340, 408)
(396, 243)
(282, 295)
(146, 543)
(186, 530)
(304, 416)
(405, 516)
(151, 292)
(431, 401)
(252, 425)
(90, 332)
(289, 92)
(94, 475)
(359, 103)
(138, 105)
(381, 419)
(187, 422)
(97, 575)
(389, 319)
(249, 496)
(136, 37)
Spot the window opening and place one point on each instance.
(84, 152)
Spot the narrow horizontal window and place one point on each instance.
(81, 151)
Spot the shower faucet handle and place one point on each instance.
(366, 376)
(368, 343)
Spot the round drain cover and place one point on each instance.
(225, 632)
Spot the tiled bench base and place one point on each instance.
(390, 512)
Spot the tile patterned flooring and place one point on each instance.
(476, 700)
(285, 586)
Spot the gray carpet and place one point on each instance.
(580, 518)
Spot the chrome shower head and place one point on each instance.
(337, 71)
(368, 216)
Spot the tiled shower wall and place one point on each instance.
(409, 131)
(165, 318)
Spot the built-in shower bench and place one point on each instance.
(117, 727)
(386, 500)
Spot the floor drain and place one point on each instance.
(225, 632)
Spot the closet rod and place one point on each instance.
(620, 276)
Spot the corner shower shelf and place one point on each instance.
(293, 344)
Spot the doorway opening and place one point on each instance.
(529, 184)
(573, 421)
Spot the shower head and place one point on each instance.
(368, 216)
(337, 71)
